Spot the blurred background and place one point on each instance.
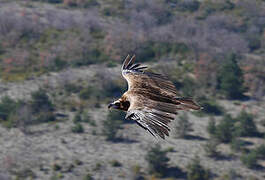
(60, 67)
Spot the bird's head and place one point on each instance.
(119, 104)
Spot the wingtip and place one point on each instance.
(125, 62)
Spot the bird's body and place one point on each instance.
(151, 99)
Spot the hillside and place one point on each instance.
(60, 67)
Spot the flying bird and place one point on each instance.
(151, 99)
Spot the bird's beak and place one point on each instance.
(111, 105)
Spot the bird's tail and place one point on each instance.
(187, 104)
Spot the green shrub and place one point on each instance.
(77, 118)
(245, 126)
(260, 150)
(77, 128)
(87, 119)
(42, 107)
(71, 88)
(41, 102)
(250, 159)
(225, 129)
(211, 148)
(88, 177)
(188, 87)
(7, 106)
(113, 88)
(89, 3)
(146, 53)
(157, 160)
(230, 175)
(115, 163)
(44, 117)
(56, 167)
(190, 6)
(88, 92)
(230, 78)
(183, 126)
(195, 171)
(254, 42)
(211, 127)
(211, 7)
(112, 124)
(210, 106)
(237, 144)
(92, 56)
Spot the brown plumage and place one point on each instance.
(151, 99)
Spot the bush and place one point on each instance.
(115, 163)
(59, 64)
(92, 56)
(87, 119)
(41, 102)
(245, 126)
(225, 129)
(87, 92)
(157, 160)
(77, 118)
(44, 117)
(210, 106)
(183, 126)
(190, 5)
(250, 159)
(88, 177)
(7, 106)
(237, 144)
(111, 125)
(230, 79)
(78, 128)
(188, 87)
(211, 148)
(254, 42)
(260, 150)
(72, 88)
(196, 171)
(211, 127)
(42, 107)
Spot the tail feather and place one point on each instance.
(187, 103)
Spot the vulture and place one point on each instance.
(151, 99)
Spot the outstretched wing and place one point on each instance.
(153, 98)
(137, 78)
(151, 115)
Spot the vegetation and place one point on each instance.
(183, 126)
(112, 124)
(230, 78)
(211, 127)
(196, 171)
(211, 148)
(225, 129)
(250, 159)
(77, 128)
(42, 107)
(246, 126)
(157, 160)
(210, 106)
(7, 106)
